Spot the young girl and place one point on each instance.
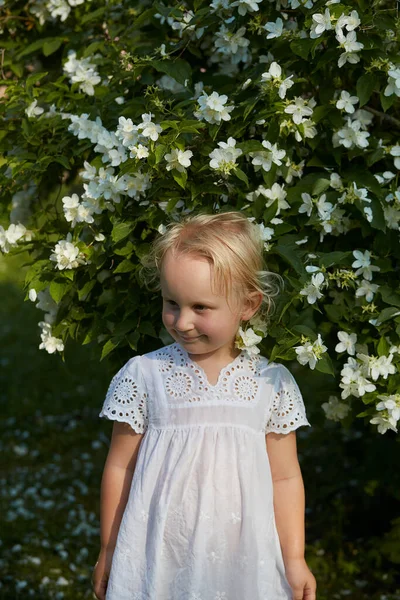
(202, 496)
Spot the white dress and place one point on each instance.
(199, 521)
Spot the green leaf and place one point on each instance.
(324, 365)
(125, 266)
(241, 175)
(291, 254)
(363, 179)
(305, 330)
(83, 293)
(93, 15)
(250, 146)
(147, 328)
(51, 46)
(389, 296)
(32, 79)
(320, 186)
(160, 150)
(178, 68)
(387, 313)
(365, 86)
(57, 290)
(179, 177)
(133, 339)
(302, 47)
(383, 347)
(107, 348)
(62, 160)
(333, 258)
(169, 125)
(141, 19)
(387, 101)
(120, 231)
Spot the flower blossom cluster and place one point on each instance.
(82, 71)
(213, 109)
(223, 159)
(10, 237)
(66, 255)
(347, 40)
(53, 9)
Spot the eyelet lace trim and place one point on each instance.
(185, 381)
(288, 410)
(126, 402)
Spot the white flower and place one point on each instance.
(83, 72)
(275, 29)
(335, 181)
(335, 410)
(307, 205)
(393, 83)
(10, 237)
(299, 108)
(324, 208)
(351, 46)
(266, 233)
(395, 151)
(247, 340)
(32, 295)
(120, 100)
(33, 110)
(377, 366)
(346, 102)
(383, 424)
(391, 404)
(354, 381)
(347, 342)
(178, 160)
(232, 44)
(245, 6)
(49, 343)
(322, 22)
(273, 75)
(67, 255)
(138, 151)
(363, 262)
(224, 158)
(58, 8)
(212, 108)
(310, 353)
(76, 212)
(265, 159)
(149, 129)
(312, 289)
(351, 136)
(350, 22)
(127, 132)
(367, 289)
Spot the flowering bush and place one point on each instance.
(118, 119)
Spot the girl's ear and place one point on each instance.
(251, 305)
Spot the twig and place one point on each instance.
(2, 53)
(383, 116)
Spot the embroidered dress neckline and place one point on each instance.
(222, 371)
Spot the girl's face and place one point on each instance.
(197, 319)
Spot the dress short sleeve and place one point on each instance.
(127, 398)
(288, 410)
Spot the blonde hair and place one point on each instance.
(233, 246)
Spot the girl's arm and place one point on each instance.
(116, 481)
(289, 503)
(289, 499)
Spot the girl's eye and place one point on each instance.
(197, 306)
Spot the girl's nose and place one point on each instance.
(183, 323)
